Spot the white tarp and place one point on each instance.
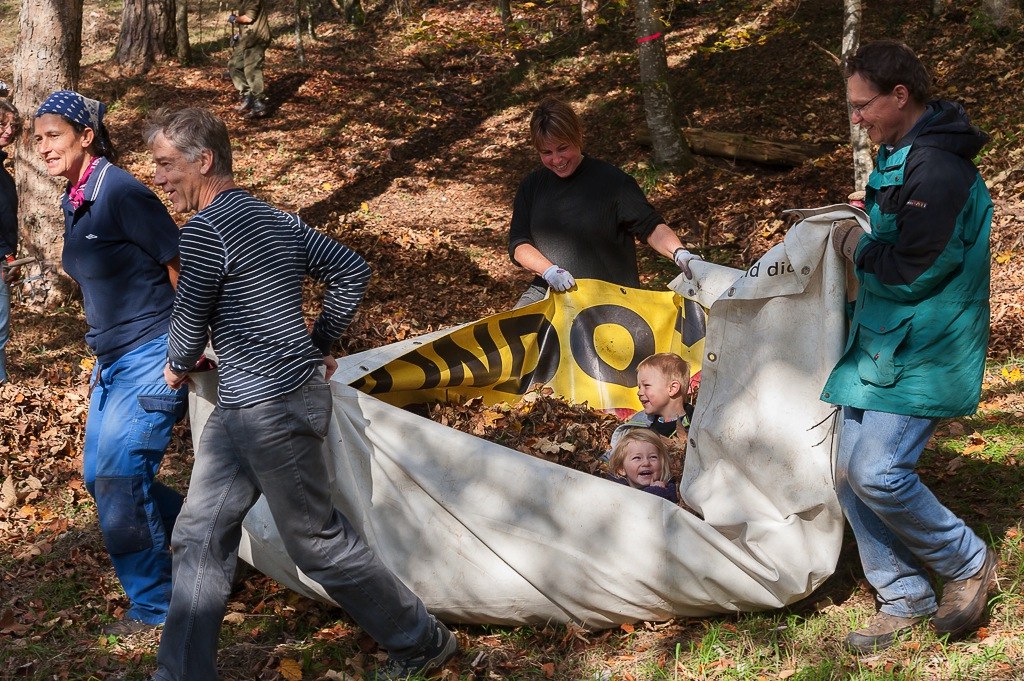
(485, 534)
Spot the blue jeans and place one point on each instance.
(901, 528)
(131, 414)
(5, 326)
(274, 447)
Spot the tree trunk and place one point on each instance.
(183, 49)
(589, 10)
(47, 58)
(862, 158)
(300, 49)
(670, 149)
(505, 12)
(147, 35)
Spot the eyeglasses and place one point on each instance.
(859, 110)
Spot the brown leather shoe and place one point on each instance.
(962, 606)
(126, 626)
(879, 633)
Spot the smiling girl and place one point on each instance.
(640, 460)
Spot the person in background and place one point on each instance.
(251, 40)
(121, 246)
(273, 409)
(916, 348)
(640, 460)
(579, 217)
(10, 128)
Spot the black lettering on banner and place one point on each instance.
(693, 325)
(513, 330)
(459, 359)
(431, 372)
(382, 381)
(584, 352)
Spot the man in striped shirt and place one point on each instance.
(243, 263)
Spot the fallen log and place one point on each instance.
(742, 147)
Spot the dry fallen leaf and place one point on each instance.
(234, 618)
(290, 669)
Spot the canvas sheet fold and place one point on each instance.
(484, 534)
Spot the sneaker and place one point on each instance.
(962, 606)
(245, 104)
(442, 647)
(126, 626)
(879, 633)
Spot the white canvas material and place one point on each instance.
(485, 534)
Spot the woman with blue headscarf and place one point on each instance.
(121, 246)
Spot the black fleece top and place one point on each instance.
(8, 211)
(586, 223)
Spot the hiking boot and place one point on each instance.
(879, 633)
(962, 606)
(126, 626)
(441, 648)
(246, 103)
(258, 110)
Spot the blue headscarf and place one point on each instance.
(74, 107)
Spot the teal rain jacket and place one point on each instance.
(919, 332)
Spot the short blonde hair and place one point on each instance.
(615, 463)
(672, 366)
(555, 120)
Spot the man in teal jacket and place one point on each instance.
(916, 349)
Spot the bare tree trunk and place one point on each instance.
(505, 12)
(183, 48)
(588, 12)
(670, 149)
(862, 158)
(300, 50)
(47, 58)
(147, 35)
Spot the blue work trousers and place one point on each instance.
(273, 447)
(131, 414)
(900, 526)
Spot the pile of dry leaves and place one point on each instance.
(541, 425)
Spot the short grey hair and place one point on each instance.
(191, 131)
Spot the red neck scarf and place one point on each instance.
(76, 195)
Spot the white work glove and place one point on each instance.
(558, 279)
(683, 258)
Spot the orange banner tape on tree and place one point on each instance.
(648, 38)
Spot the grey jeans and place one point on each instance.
(273, 447)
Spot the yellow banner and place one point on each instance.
(584, 344)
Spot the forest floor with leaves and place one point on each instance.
(406, 138)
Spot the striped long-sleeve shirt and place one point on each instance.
(242, 267)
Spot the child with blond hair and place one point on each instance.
(640, 460)
(663, 385)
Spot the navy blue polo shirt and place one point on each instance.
(116, 246)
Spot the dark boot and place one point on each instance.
(246, 104)
(259, 109)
